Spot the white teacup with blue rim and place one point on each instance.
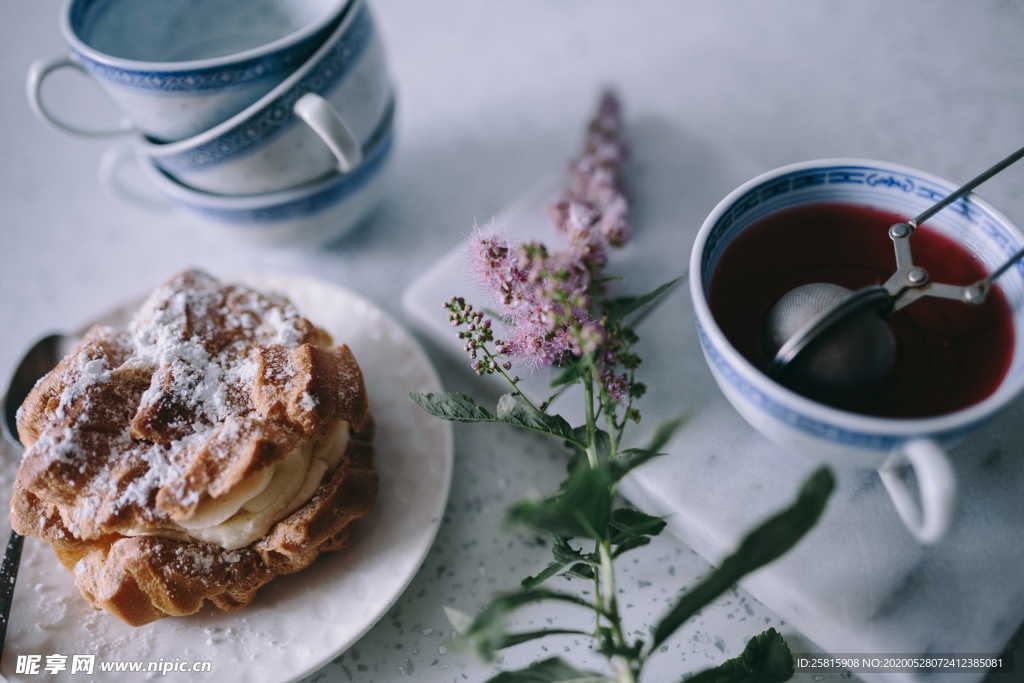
(846, 438)
(312, 124)
(311, 214)
(178, 67)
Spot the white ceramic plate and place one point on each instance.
(296, 623)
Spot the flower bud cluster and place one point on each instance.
(476, 331)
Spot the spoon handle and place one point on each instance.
(8, 575)
(967, 187)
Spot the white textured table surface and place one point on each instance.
(491, 95)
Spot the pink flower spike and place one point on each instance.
(535, 345)
(494, 265)
(617, 232)
(558, 212)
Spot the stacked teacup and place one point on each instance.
(275, 116)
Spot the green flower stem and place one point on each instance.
(588, 402)
(591, 450)
(626, 668)
(513, 381)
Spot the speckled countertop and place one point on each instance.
(491, 95)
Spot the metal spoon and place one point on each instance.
(40, 358)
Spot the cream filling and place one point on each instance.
(268, 496)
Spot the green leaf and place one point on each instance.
(764, 544)
(552, 569)
(553, 670)
(628, 524)
(513, 410)
(487, 631)
(571, 373)
(631, 544)
(665, 431)
(565, 555)
(765, 659)
(581, 508)
(631, 458)
(581, 571)
(511, 639)
(618, 309)
(632, 529)
(452, 405)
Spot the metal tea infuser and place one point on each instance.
(862, 347)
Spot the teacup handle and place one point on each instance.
(37, 73)
(929, 517)
(328, 124)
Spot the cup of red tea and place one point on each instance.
(956, 364)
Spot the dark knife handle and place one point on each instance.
(8, 575)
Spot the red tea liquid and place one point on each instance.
(949, 354)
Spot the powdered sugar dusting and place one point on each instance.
(283, 325)
(85, 372)
(177, 331)
(196, 557)
(307, 402)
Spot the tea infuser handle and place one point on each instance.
(328, 124)
(967, 187)
(978, 292)
(929, 514)
(37, 73)
(112, 177)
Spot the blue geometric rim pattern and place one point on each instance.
(275, 65)
(856, 175)
(836, 175)
(345, 186)
(274, 118)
